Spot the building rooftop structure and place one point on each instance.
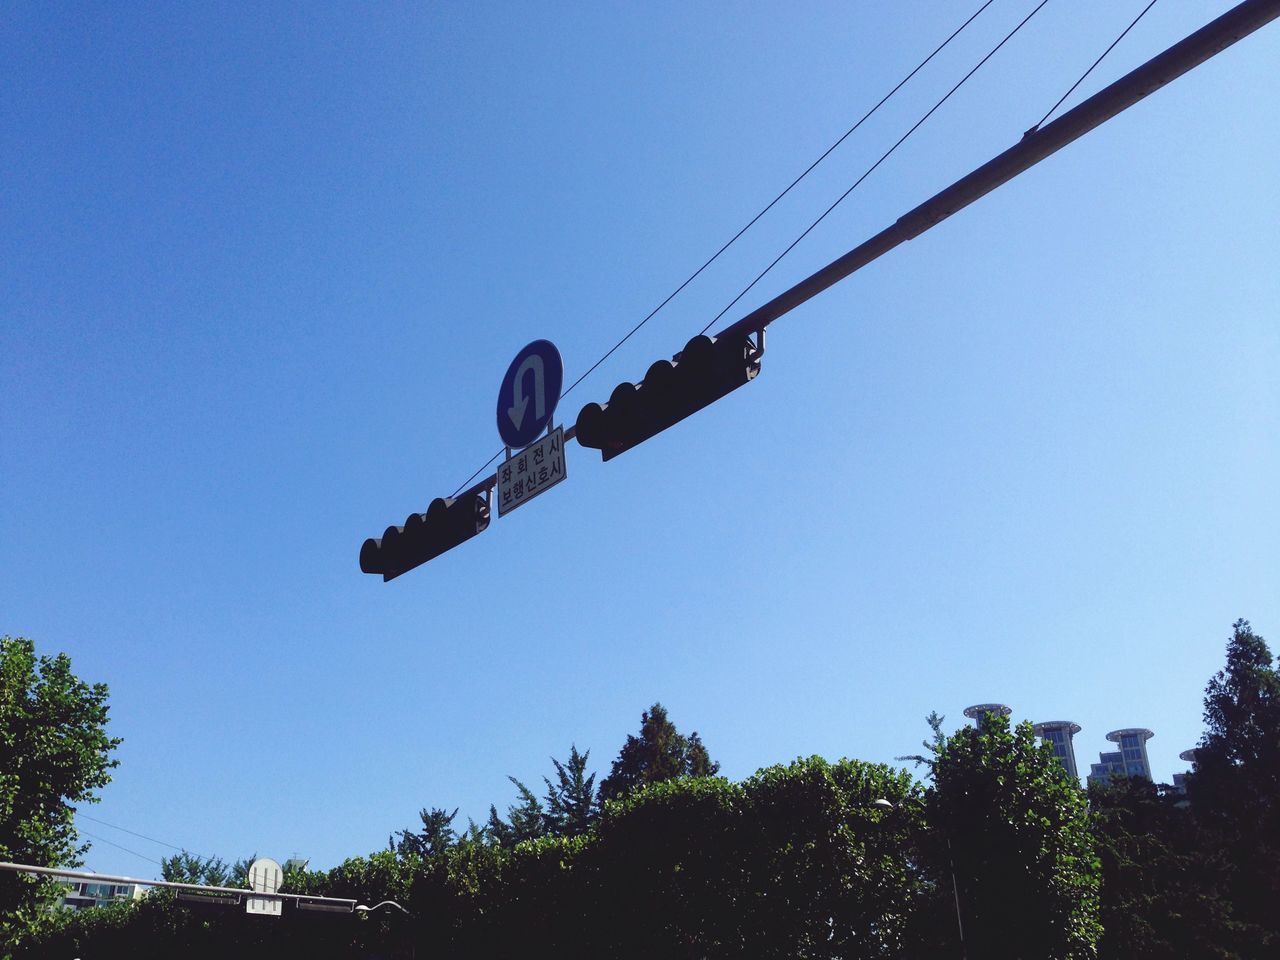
(1060, 733)
(1133, 744)
(1110, 764)
(1129, 761)
(979, 710)
(1180, 779)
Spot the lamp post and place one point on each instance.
(884, 804)
(367, 911)
(361, 908)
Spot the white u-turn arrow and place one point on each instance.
(521, 402)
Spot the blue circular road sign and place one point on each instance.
(529, 393)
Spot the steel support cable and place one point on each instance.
(483, 467)
(870, 170)
(826, 153)
(1091, 68)
(752, 222)
(143, 836)
(140, 856)
(1210, 40)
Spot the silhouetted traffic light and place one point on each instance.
(424, 536)
(704, 372)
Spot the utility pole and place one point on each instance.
(1036, 144)
(209, 894)
(709, 368)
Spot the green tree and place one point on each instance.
(571, 800)
(660, 753)
(186, 867)
(238, 873)
(526, 819)
(1163, 881)
(1012, 826)
(1235, 786)
(437, 834)
(665, 874)
(54, 753)
(830, 871)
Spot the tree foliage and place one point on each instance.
(1163, 879)
(1012, 826)
(571, 805)
(186, 867)
(1235, 786)
(526, 820)
(54, 754)
(436, 836)
(812, 859)
(660, 753)
(795, 862)
(571, 800)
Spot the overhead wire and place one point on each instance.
(826, 153)
(483, 467)
(1091, 68)
(143, 836)
(141, 856)
(885, 156)
(752, 222)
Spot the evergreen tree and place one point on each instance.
(571, 800)
(239, 875)
(526, 820)
(660, 753)
(436, 837)
(186, 867)
(1235, 786)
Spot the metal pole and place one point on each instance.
(168, 884)
(955, 891)
(1188, 53)
(1236, 24)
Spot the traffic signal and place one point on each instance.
(424, 536)
(706, 370)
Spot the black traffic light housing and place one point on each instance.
(706, 370)
(424, 536)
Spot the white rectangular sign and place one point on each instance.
(539, 466)
(270, 908)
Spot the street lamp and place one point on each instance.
(385, 903)
(882, 804)
(361, 908)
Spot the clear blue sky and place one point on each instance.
(263, 266)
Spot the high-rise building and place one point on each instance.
(978, 710)
(1133, 745)
(1060, 734)
(1110, 764)
(1129, 761)
(1180, 779)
